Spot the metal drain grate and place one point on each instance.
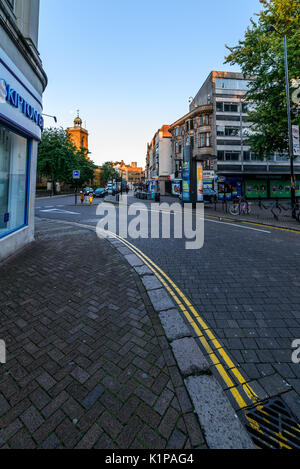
(272, 425)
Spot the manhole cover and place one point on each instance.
(272, 425)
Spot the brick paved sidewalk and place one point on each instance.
(88, 363)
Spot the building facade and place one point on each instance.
(22, 82)
(193, 131)
(239, 170)
(131, 173)
(159, 160)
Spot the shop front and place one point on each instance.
(270, 187)
(256, 187)
(229, 188)
(21, 124)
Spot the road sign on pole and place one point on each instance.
(76, 176)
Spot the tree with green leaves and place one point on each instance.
(260, 56)
(58, 158)
(108, 173)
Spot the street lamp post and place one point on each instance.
(290, 135)
(53, 117)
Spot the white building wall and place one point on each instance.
(165, 157)
(22, 70)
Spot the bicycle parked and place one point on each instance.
(240, 206)
(277, 208)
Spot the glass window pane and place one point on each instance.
(13, 163)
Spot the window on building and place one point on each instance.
(229, 142)
(206, 120)
(13, 181)
(191, 125)
(226, 83)
(232, 131)
(231, 107)
(201, 120)
(207, 139)
(202, 140)
(249, 156)
(230, 118)
(229, 155)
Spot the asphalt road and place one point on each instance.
(244, 283)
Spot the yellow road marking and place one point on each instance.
(159, 273)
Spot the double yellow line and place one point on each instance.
(203, 332)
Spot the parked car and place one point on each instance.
(100, 192)
(88, 190)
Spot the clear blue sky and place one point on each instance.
(131, 65)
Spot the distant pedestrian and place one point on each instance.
(82, 196)
(91, 198)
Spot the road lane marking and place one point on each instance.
(206, 218)
(57, 210)
(244, 222)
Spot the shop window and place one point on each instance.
(13, 181)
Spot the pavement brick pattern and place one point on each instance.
(88, 363)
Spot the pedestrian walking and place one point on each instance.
(81, 197)
(91, 198)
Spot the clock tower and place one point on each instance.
(79, 135)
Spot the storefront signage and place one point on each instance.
(208, 175)
(296, 146)
(186, 174)
(199, 182)
(186, 181)
(176, 188)
(12, 97)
